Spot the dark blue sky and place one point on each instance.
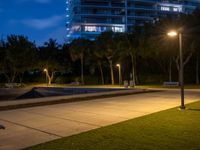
(39, 20)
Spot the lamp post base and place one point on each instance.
(182, 107)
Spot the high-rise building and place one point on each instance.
(88, 18)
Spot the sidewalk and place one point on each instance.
(31, 126)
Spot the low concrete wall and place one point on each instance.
(70, 97)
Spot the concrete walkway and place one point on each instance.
(30, 126)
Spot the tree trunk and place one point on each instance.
(10, 75)
(82, 70)
(21, 76)
(136, 75)
(101, 71)
(177, 60)
(7, 77)
(133, 69)
(111, 72)
(50, 78)
(177, 67)
(13, 77)
(170, 70)
(197, 70)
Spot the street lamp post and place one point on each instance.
(45, 70)
(181, 71)
(120, 74)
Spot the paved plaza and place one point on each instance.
(30, 126)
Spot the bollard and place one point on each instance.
(125, 84)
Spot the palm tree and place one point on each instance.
(107, 41)
(98, 55)
(128, 47)
(78, 49)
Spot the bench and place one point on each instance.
(171, 84)
(12, 85)
(75, 83)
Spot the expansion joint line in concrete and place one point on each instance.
(18, 124)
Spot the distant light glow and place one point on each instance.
(172, 33)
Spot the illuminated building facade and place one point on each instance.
(88, 18)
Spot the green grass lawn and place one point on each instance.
(166, 130)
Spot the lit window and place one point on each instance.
(90, 28)
(165, 8)
(117, 29)
(176, 9)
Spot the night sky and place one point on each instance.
(39, 20)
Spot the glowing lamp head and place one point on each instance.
(172, 33)
(118, 65)
(45, 70)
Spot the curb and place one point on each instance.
(67, 99)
